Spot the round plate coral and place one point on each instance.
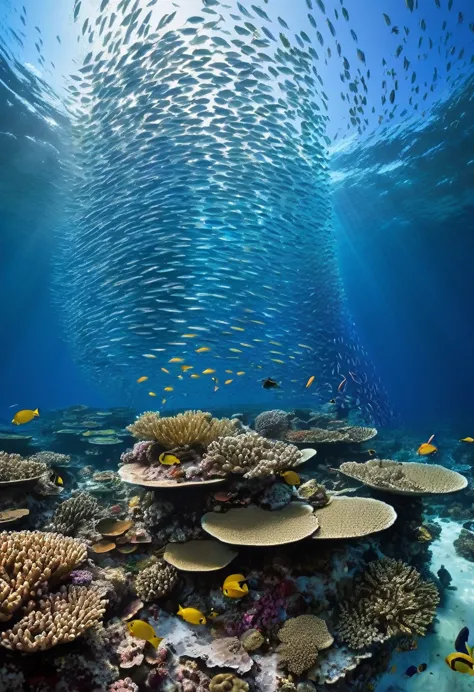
(131, 473)
(258, 527)
(20, 481)
(352, 517)
(199, 556)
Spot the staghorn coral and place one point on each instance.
(156, 581)
(302, 637)
(274, 424)
(71, 513)
(249, 455)
(125, 685)
(227, 682)
(405, 478)
(29, 559)
(14, 468)
(51, 458)
(56, 619)
(392, 599)
(193, 428)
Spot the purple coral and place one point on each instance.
(139, 453)
(81, 577)
(265, 613)
(125, 685)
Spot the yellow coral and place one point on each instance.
(193, 428)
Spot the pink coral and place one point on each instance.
(130, 651)
(191, 679)
(125, 685)
(266, 612)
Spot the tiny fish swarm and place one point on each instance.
(392, 599)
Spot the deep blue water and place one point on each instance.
(403, 206)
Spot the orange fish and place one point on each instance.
(309, 382)
(427, 448)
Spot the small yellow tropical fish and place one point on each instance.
(168, 459)
(165, 370)
(461, 663)
(142, 630)
(230, 372)
(238, 329)
(57, 480)
(142, 379)
(185, 368)
(176, 360)
(213, 614)
(203, 349)
(192, 615)
(134, 501)
(426, 448)
(208, 371)
(241, 372)
(467, 439)
(291, 477)
(309, 382)
(168, 389)
(25, 416)
(151, 393)
(195, 376)
(235, 586)
(234, 578)
(228, 381)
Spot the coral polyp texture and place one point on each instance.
(259, 527)
(31, 559)
(274, 424)
(193, 428)
(405, 478)
(13, 468)
(392, 599)
(249, 455)
(57, 618)
(353, 517)
(349, 434)
(302, 638)
(156, 581)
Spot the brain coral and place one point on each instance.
(392, 599)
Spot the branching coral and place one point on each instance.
(193, 428)
(71, 513)
(14, 468)
(391, 600)
(29, 559)
(249, 455)
(156, 581)
(302, 638)
(274, 424)
(56, 619)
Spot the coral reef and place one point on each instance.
(274, 424)
(125, 685)
(348, 434)
(464, 545)
(252, 639)
(353, 517)
(56, 619)
(249, 455)
(392, 599)
(51, 459)
(14, 468)
(302, 638)
(193, 428)
(156, 581)
(70, 514)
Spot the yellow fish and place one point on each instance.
(277, 360)
(309, 382)
(142, 630)
(168, 459)
(424, 535)
(203, 349)
(228, 381)
(235, 350)
(238, 329)
(234, 578)
(208, 371)
(185, 368)
(189, 336)
(142, 379)
(25, 416)
(235, 586)
(462, 663)
(168, 389)
(291, 477)
(195, 376)
(165, 370)
(213, 614)
(467, 439)
(134, 501)
(192, 615)
(57, 480)
(176, 360)
(425, 449)
(241, 372)
(151, 393)
(229, 372)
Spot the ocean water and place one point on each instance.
(218, 195)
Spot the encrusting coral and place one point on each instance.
(29, 560)
(249, 455)
(274, 424)
(71, 513)
(405, 478)
(193, 428)
(156, 581)
(391, 600)
(56, 619)
(227, 682)
(14, 468)
(302, 638)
